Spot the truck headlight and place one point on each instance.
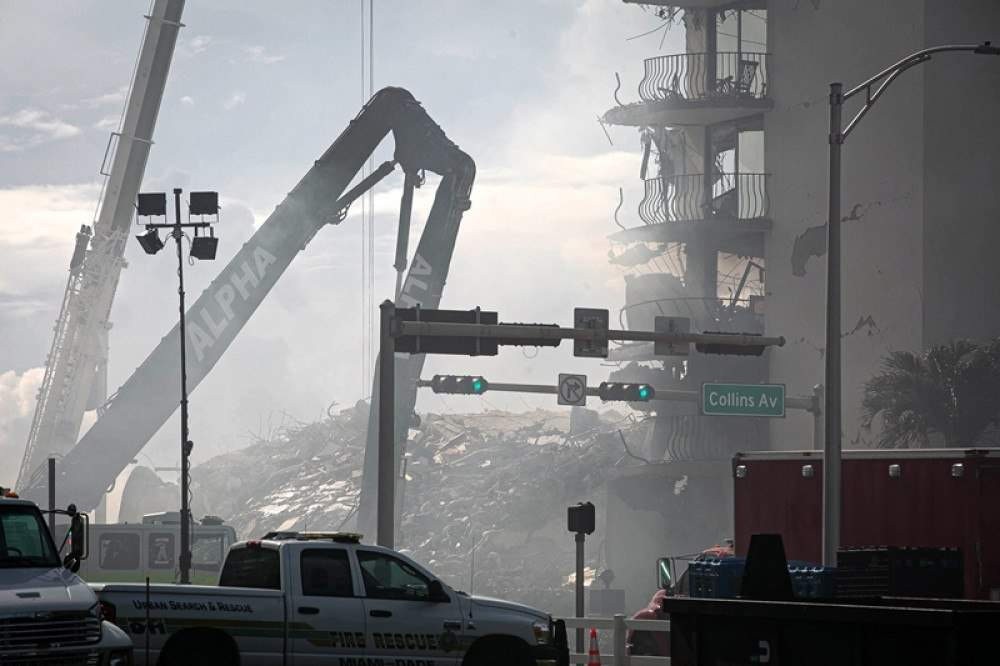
(543, 632)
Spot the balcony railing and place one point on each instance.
(739, 196)
(727, 75)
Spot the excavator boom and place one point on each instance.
(143, 403)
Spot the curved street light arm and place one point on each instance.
(871, 98)
(882, 80)
(922, 56)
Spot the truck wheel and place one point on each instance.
(199, 647)
(498, 651)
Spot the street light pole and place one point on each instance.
(185, 551)
(831, 414)
(873, 89)
(154, 204)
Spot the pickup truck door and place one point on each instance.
(326, 616)
(404, 625)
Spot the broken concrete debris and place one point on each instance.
(483, 503)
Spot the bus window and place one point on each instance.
(118, 551)
(161, 550)
(208, 551)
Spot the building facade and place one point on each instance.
(735, 167)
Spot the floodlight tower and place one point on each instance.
(202, 247)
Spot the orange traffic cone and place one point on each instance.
(594, 654)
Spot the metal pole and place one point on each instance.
(185, 554)
(831, 450)
(386, 492)
(580, 536)
(52, 498)
(472, 561)
(533, 332)
(148, 628)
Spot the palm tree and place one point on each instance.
(952, 390)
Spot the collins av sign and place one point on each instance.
(743, 399)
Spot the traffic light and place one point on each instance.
(617, 391)
(732, 350)
(434, 344)
(459, 384)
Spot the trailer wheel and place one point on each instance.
(200, 647)
(499, 651)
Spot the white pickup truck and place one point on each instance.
(302, 599)
(47, 614)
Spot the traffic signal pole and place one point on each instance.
(409, 331)
(386, 476)
(672, 395)
(530, 332)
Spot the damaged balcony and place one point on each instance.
(679, 209)
(697, 89)
(701, 4)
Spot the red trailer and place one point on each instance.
(906, 497)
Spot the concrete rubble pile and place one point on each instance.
(485, 498)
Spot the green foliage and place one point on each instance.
(952, 390)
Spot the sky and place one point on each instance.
(256, 92)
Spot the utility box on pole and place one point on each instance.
(580, 519)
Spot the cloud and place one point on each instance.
(107, 123)
(259, 54)
(187, 100)
(199, 43)
(236, 99)
(17, 405)
(33, 127)
(115, 98)
(40, 225)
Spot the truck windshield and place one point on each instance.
(25, 539)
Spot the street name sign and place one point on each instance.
(743, 399)
(573, 390)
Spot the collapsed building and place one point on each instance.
(482, 496)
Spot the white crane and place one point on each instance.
(76, 368)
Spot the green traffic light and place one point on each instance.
(645, 392)
(477, 385)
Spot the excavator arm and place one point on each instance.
(144, 402)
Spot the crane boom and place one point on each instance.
(143, 404)
(75, 377)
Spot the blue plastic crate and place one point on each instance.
(812, 581)
(715, 578)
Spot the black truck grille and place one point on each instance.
(47, 631)
(72, 659)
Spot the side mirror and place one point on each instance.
(78, 540)
(78, 537)
(436, 593)
(664, 573)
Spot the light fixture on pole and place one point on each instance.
(872, 89)
(150, 241)
(154, 204)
